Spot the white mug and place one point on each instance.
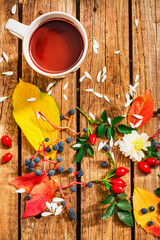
(25, 32)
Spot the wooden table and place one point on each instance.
(112, 24)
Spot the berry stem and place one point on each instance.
(154, 135)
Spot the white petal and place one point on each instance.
(31, 99)
(99, 76)
(65, 97)
(50, 85)
(50, 92)
(87, 75)
(9, 73)
(48, 205)
(106, 98)
(58, 210)
(95, 43)
(111, 142)
(116, 52)
(132, 88)
(137, 116)
(38, 115)
(138, 124)
(82, 78)
(104, 71)
(3, 98)
(77, 145)
(132, 125)
(57, 200)
(112, 154)
(136, 22)
(45, 214)
(42, 117)
(128, 103)
(136, 78)
(95, 49)
(104, 78)
(136, 85)
(98, 94)
(127, 97)
(13, 10)
(5, 56)
(21, 190)
(117, 142)
(92, 116)
(1, 59)
(100, 146)
(53, 206)
(131, 92)
(109, 120)
(89, 90)
(65, 86)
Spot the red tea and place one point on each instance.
(56, 46)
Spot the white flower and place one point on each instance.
(132, 145)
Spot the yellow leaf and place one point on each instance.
(27, 100)
(144, 199)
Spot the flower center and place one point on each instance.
(138, 144)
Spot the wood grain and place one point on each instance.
(8, 171)
(146, 53)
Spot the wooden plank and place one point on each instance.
(58, 227)
(107, 22)
(8, 171)
(146, 63)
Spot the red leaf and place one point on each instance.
(40, 194)
(142, 105)
(28, 181)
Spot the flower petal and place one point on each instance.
(111, 142)
(106, 98)
(57, 200)
(104, 78)
(48, 205)
(65, 97)
(77, 145)
(50, 85)
(95, 49)
(20, 190)
(116, 52)
(31, 99)
(104, 70)
(95, 43)
(50, 92)
(1, 59)
(3, 98)
(45, 214)
(13, 10)
(65, 86)
(138, 116)
(9, 73)
(98, 94)
(138, 123)
(136, 78)
(99, 76)
(5, 56)
(109, 120)
(87, 75)
(136, 22)
(82, 78)
(89, 90)
(92, 116)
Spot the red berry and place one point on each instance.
(116, 188)
(152, 161)
(92, 138)
(6, 141)
(7, 157)
(144, 167)
(121, 171)
(118, 181)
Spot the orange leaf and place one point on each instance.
(144, 199)
(28, 181)
(40, 194)
(143, 106)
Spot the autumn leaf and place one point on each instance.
(144, 199)
(27, 100)
(28, 181)
(40, 194)
(143, 106)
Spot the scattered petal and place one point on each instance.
(101, 145)
(53, 206)
(1, 59)
(89, 90)
(65, 86)
(104, 78)
(111, 142)
(98, 94)
(65, 97)
(77, 145)
(5, 56)
(116, 52)
(42, 117)
(58, 210)
(112, 154)
(45, 214)
(3, 98)
(50, 85)
(109, 120)
(136, 78)
(87, 75)
(38, 115)
(31, 99)
(9, 73)
(136, 22)
(127, 97)
(57, 200)
(128, 103)
(104, 70)
(92, 116)
(117, 142)
(95, 43)
(48, 205)
(95, 49)
(106, 98)
(138, 123)
(82, 78)
(50, 92)
(13, 10)
(136, 85)
(138, 116)
(21, 190)
(99, 76)
(132, 125)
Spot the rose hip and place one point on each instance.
(152, 161)
(92, 138)
(7, 157)
(116, 188)
(121, 171)
(118, 181)
(6, 141)
(144, 167)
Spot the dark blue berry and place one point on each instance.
(71, 210)
(70, 170)
(60, 169)
(155, 143)
(28, 197)
(73, 189)
(68, 140)
(48, 149)
(71, 111)
(80, 173)
(61, 144)
(38, 172)
(62, 117)
(31, 164)
(131, 198)
(104, 164)
(150, 223)
(151, 208)
(106, 148)
(73, 216)
(85, 129)
(27, 163)
(89, 184)
(144, 210)
(30, 169)
(61, 149)
(158, 110)
(59, 159)
(63, 203)
(55, 147)
(46, 139)
(51, 172)
(36, 160)
(28, 160)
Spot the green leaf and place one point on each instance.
(108, 186)
(122, 195)
(110, 173)
(89, 132)
(108, 199)
(80, 155)
(159, 206)
(125, 129)
(104, 116)
(83, 139)
(124, 205)
(157, 191)
(89, 149)
(110, 132)
(101, 130)
(125, 217)
(117, 120)
(158, 175)
(82, 144)
(110, 211)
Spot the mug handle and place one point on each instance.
(16, 28)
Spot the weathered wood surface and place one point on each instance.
(112, 24)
